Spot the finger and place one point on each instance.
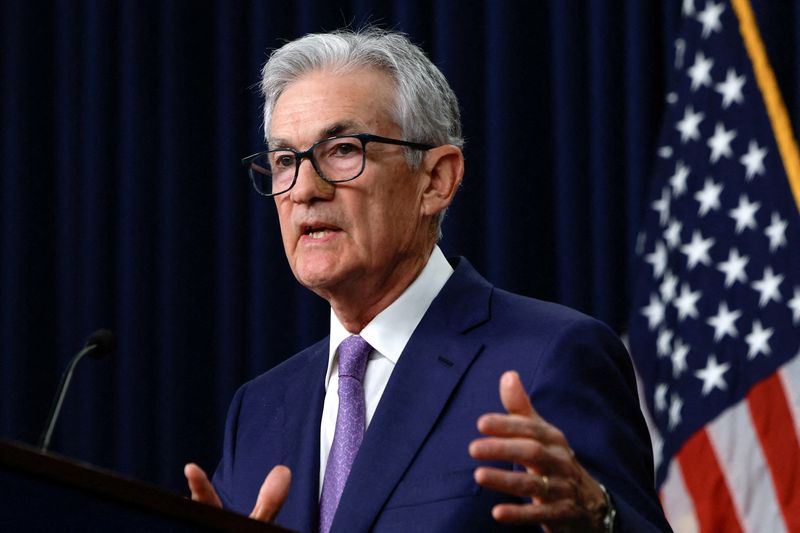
(202, 489)
(273, 493)
(523, 451)
(513, 395)
(503, 425)
(522, 484)
(526, 513)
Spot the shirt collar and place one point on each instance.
(389, 332)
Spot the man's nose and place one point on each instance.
(309, 185)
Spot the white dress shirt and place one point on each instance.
(387, 333)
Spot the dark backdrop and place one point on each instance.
(123, 205)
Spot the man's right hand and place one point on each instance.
(270, 498)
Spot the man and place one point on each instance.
(394, 422)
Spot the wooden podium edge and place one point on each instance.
(108, 485)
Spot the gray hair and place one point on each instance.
(425, 107)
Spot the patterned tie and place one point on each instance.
(350, 425)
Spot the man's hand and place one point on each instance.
(564, 497)
(270, 499)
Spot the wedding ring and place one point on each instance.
(546, 485)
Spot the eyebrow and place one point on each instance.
(337, 128)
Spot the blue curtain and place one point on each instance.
(123, 204)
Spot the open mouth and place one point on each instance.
(318, 232)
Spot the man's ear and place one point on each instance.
(444, 168)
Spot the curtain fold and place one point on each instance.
(123, 203)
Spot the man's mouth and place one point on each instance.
(318, 232)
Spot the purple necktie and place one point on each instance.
(350, 425)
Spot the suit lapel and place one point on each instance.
(427, 373)
(303, 401)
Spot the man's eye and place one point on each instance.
(283, 161)
(341, 149)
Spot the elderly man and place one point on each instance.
(394, 422)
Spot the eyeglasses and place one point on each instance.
(336, 160)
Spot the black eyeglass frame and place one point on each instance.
(365, 139)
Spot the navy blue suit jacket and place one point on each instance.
(413, 471)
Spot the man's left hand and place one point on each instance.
(564, 497)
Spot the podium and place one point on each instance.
(43, 492)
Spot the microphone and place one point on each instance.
(98, 345)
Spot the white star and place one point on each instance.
(662, 206)
(753, 160)
(680, 351)
(673, 234)
(724, 322)
(687, 8)
(658, 259)
(768, 287)
(758, 340)
(745, 214)
(678, 179)
(700, 71)
(689, 125)
(731, 89)
(641, 240)
(794, 305)
(708, 197)
(664, 342)
(712, 375)
(665, 152)
(776, 232)
(709, 18)
(660, 397)
(675, 406)
(697, 250)
(733, 268)
(720, 142)
(686, 303)
(668, 287)
(654, 312)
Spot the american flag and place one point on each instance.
(715, 324)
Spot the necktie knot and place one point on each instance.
(353, 354)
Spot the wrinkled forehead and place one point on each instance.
(342, 99)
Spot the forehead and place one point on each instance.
(325, 102)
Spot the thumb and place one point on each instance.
(272, 494)
(513, 395)
(202, 489)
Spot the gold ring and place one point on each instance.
(546, 484)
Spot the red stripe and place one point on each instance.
(774, 426)
(707, 487)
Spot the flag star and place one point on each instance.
(758, 340)
(678, 179)
(745, 214)
(641, 240)
(753, 160)
(712, 375)
(654, 312)
(664, 342)
(668, 287)
(675, 406)
(687, 8)
(720, 142)
(794, 305)
(697, 250)
(768, 287)
(776, 232)
(686, 303)
(662, 206)
(709, 18)
(673, 233)
(731, 89)
(700, 71)
(689, 125)
(679, 353)
(708, 197)
(665, 152)
(672, 98)
(733, 268)
(658, 259)
(724, 322)
(660, 397)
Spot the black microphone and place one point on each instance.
(98, 345)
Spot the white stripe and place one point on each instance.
(677, 503)
(790, 379)
(745, 469)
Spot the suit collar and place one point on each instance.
(432, 365)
